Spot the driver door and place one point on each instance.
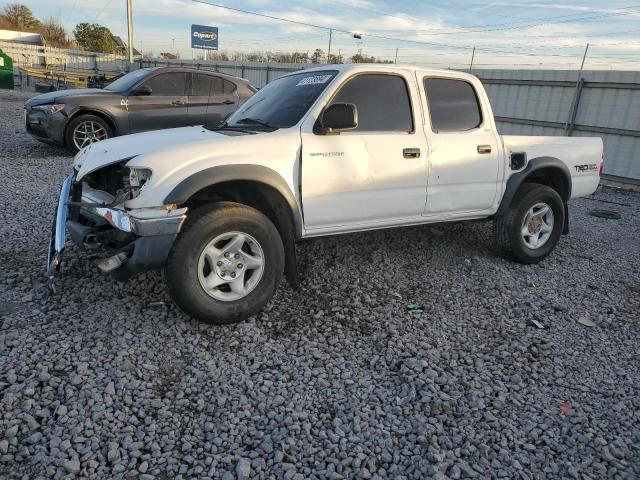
(375, 174)
(165, 107)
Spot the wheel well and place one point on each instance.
(260, 196)
(88, 111)
(553, 178)
(265, 199)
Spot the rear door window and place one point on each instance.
(168, 84)
(382, 101)
(453, 105)
(229, 87)
(204, 85)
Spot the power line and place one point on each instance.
(385, 37)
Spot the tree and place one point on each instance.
(54, 33)
(20, 17)
(336, 58)
(95, 38)
(216, 55)
(316, 56)
(362, 58)
(255, 57)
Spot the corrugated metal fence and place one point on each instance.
(553, 102)
(529, 102)
(525, 102)
(258, 73)
(24, 55)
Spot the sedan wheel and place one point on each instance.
(88, 132)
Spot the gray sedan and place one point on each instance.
(142, 100)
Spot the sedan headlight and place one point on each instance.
(51, 108)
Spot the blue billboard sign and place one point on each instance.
(204, 37)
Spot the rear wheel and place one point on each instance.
(531, 227)
(86, 129)
(226, 264)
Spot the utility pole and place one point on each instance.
(473, 54)
(329, 51)
(396, 60)
(130, 31)
(174, 46)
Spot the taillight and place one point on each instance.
(602, 164)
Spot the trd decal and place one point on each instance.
(586, 168)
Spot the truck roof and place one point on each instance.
(387, 67)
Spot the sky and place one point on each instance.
(505, 34)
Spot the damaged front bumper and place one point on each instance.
(136, 240)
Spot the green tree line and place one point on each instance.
(86, 36)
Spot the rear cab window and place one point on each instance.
(453, 105)
(382, 100)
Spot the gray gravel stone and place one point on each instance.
(243, 469)
(336, 380)
(71, 466)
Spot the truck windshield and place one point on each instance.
(283, 102)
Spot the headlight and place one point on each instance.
(137, 178)
(51, 108)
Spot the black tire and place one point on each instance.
(507, 227)
(181, 269)
(77, 120)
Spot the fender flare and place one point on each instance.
(227, 173)
(538, 163)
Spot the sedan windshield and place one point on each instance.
(283, 102)
(129, 80)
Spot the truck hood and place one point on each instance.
(118, 149)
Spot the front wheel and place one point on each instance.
(86, 129)
(226, 263)
(531, 227)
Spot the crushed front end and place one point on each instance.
(93, 211)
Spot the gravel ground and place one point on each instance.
(338, 380)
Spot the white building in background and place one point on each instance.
(28, 38)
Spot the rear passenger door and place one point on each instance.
(465, 151)
(165, 107)
(212, 99)
(374, 175)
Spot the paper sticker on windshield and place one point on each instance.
(313, 80)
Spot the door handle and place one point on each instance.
(228, 102)
(177, 102)
(411, 152)
(484, 148)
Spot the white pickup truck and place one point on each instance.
(334, 149)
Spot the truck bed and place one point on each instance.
(581, 155)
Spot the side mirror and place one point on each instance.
(339, 116)
(142, 91)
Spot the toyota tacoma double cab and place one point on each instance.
(329, 150)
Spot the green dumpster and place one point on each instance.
(6, 71)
